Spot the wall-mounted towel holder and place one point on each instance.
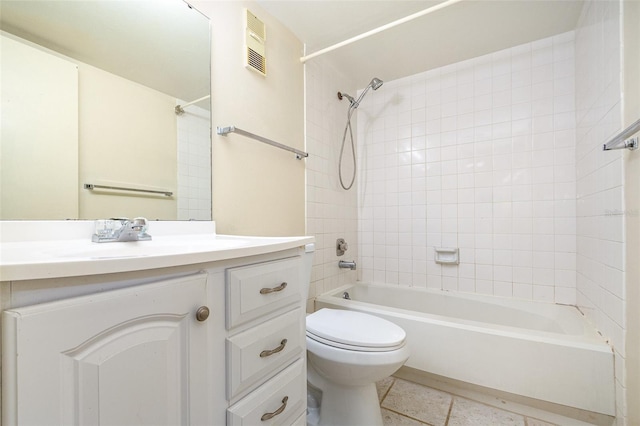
(622, 140)
(91, 187)
(223, 131)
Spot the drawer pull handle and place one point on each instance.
(274, 289)
(268, 416)
(264, 354)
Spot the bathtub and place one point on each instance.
(534, 349)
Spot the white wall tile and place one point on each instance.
(331, 211)
(482, 154)
(597, 97)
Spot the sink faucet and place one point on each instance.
(121, 229)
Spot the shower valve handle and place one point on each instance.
(341, 246)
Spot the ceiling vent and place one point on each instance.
(254, 40)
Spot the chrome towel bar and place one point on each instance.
(91, 186)
(223, 131)
(621, 141)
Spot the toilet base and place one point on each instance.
(356, 406)
(346, 405)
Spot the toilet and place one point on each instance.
(347, 353)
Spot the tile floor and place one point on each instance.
(405, 403)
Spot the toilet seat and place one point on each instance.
(354, 331)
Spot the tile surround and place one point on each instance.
(600, 180)
(331, 211)
(477, 155)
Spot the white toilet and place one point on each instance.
(347, 353)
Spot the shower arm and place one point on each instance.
(356, 104)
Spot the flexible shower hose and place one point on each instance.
(353, 150)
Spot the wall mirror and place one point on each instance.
(90, 127)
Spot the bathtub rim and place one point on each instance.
(590, 339)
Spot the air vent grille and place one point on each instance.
(256, 26)
(256, 61)
(254, 44)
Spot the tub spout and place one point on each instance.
(347, 265)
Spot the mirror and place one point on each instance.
(90, 127)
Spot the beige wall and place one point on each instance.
(257, 189)
(631, 84)
(39, 139)
(120, 155)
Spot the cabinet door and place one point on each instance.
(124, 357)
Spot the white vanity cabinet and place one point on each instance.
(266, 369)
(137, 347)
(123, 357)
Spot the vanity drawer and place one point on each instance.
(256, 290)
(283, 399)
(263, 350)
(300, 421)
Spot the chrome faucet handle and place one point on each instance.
(120, 219)
(121, 229)
(341, 246)
(118, 223)
(139, 223)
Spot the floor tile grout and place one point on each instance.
(387, 392)
(453, 398)
(446, 421)
(408, 417)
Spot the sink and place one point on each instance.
(31, 250)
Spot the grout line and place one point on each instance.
(446, 422)
(388, 390)
(453, 397)
(408, 417)
(396, 412)
(477, 398)
(477, 401)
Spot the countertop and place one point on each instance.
(52, 258)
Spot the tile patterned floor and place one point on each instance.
(405, 403)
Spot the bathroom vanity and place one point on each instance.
(190, 328)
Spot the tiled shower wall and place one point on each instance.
(331, 211)
(478, 155)
(600, 185)
(194, 164)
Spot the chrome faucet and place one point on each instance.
(120, 229)
(347, 265)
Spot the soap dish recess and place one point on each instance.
(447, 256)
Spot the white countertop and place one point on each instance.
(54, 257)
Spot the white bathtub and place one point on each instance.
(534, 349)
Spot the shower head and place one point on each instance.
(375, 83)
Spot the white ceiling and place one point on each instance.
(460, 31)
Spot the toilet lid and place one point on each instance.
(354, 329)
